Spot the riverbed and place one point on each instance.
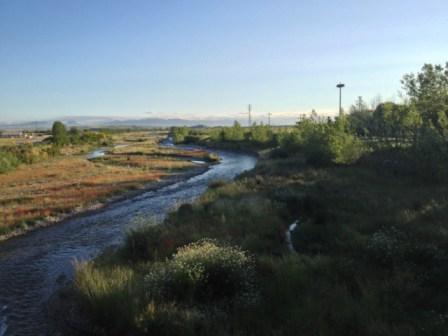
(34, 266)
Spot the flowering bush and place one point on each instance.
(204, 272)
(392, 246)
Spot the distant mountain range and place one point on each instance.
(90, 122)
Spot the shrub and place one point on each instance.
(430, 155)
(179, 134)
(261, 134)
(108, 295)
(146, 243)
(331, 142)
(215, 184)
(170, 319)
(204, 272)
(391, 246)
(279, 153)
(345, 148)
(324, 142)
(234, 133)
(8, 161)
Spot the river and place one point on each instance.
(35, 265)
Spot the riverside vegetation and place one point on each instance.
(370, 193)
(45, 180)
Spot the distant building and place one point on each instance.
(9, 134)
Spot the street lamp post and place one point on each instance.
(340, 86)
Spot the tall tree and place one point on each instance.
(428, 92)
(360, 118)
(59, 133)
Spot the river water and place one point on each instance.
(33, 266)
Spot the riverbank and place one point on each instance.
(36, 265)
(361, 250)
(48, 192)
(107, 202)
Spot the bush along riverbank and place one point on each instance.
(371, 259)
(370, 248)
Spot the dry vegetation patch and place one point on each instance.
(69, 183)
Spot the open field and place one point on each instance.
(21, 140)
(70, 182)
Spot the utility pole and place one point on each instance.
(249, 109)
(360, 104)
(340, 86)
(269, 119)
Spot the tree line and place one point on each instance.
(12, 156)
(415, 130)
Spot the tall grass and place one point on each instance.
(371, 255)
(109, 294)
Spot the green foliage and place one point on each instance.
(234, 137)
(11, 157)
(146, 243)
(170, 319)
(59, 134)
(361, 122)
(371, 270)
(203, 272)
(396, 123)
(109, 295)
(8, 161)
(325, 142)
(344, 146)
(234, 133)
(428, 91)
(371, 243)
(94, 138)
(179, 134)
(74, 135)
(261, 134)
(429, 155)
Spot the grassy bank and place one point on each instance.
(371, 258)
(67, 183)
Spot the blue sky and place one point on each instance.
(209, 58)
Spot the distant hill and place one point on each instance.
(83, 121)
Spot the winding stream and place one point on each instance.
(33, 266)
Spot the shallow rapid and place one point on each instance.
(34, 266)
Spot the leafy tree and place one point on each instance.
(261, 133)
(359, 106)
(344, 146)
(397, 123)
(59, 133)
(216, 134)
(375, 101)
(234, 133)
(179, 134)
(360, 118)
(428, 93)
(74, 135)
(325, 142)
